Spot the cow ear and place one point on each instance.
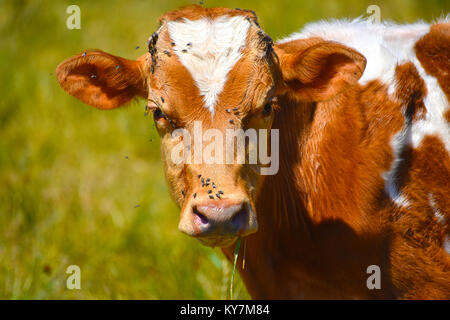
(317, 70)
(102, 80)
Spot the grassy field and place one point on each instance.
(86, 187)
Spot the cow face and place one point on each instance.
(211, 78)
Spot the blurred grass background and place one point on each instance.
(86, 187)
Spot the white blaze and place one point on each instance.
(209, 49)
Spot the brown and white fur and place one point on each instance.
(363, 116)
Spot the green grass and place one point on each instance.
(68, 195)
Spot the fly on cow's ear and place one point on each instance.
(317, 70)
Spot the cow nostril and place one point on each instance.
(199, 217)
(239, 218)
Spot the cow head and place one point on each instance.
(210, 73)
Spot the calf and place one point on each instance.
(362, 112)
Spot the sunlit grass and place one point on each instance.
(86, 187)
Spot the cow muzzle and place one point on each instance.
(218, 223)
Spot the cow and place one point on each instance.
(362, 112)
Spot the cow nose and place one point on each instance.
(219, 219)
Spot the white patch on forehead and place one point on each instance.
(209, 49)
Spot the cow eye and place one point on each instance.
(162, 120)
(267, 109)
(158, 114)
